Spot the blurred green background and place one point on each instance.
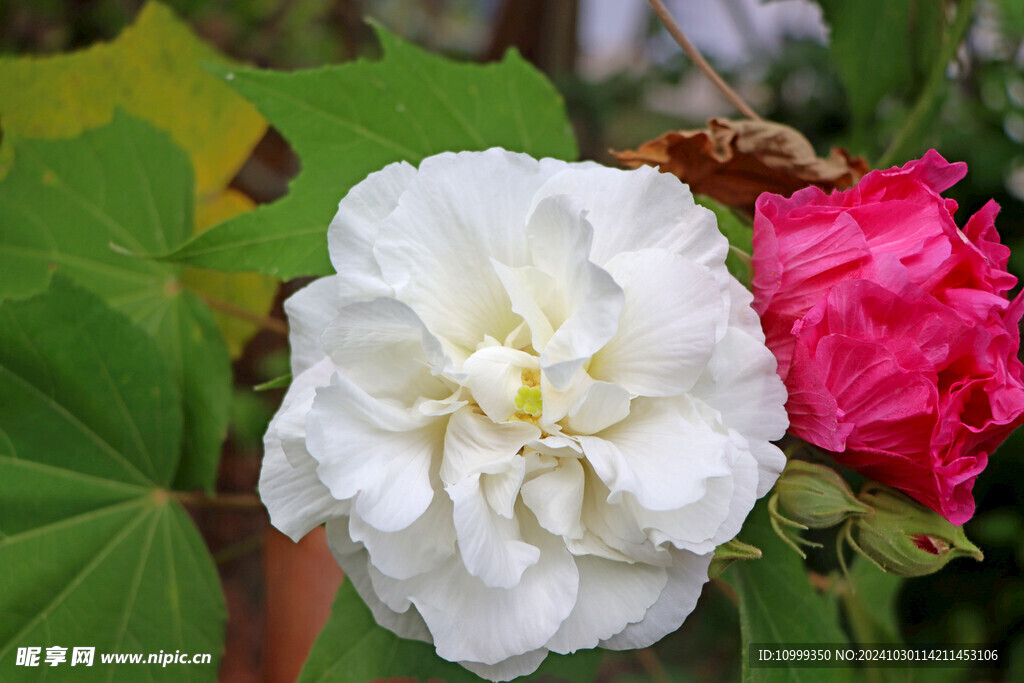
(625, 83)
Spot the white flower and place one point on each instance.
(528, 407)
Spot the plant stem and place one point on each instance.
(264, 322)
(239, 549)
(901, 145)
(698, 59)
(222, 501)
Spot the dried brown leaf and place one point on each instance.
(735, 161)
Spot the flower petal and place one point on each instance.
(603, 405)
(474, 444)
(591, 301)
(461, 209)
(674, 313)
(418, 548)
(383, 347)
(659, 455)
(513, 667)
(356, 226)
(740, 382)
(355, 562)
(556, 498)
(374, 451)
(494, 375)
(611, 595)
(490, 544)
(638, 210)
(295, 498)
(309, 311)
(686, 579)
(496, 623)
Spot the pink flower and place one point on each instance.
(892, 328)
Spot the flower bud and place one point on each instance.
(815, 496)
(904, 537)
(727, 553)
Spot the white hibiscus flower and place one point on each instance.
(528, 407)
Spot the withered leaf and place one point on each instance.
(735, 161)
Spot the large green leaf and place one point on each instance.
(94, 552)
(352, 648)
(779, 606)
(152, 71)
(882, 47)
(350, 120)
(82, 207)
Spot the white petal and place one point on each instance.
(559, 238)
(473, 444)
(490, 544)
(502, 489)
(309, 311)
(603, 405)
(741, 312)
(355, 562)
(611, 595)
(741, 383)
(556, 498)
(611, 531)
(704, 524)
(531, 291)
(471, 621)
(632, 210)
(494, 377)
(659, 455)
(435, 249)
(383, 347)
(289, 424)
(513, 667)
(686, 578)
(376, 449)
(355, 227)
(418, 548)
(295, 498)
(770, 463)
(673, 314)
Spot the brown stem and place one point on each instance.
(264, 322)
(223, 501)
(698, 59)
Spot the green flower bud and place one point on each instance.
(904, 537)
(815, 496)
(727, 553)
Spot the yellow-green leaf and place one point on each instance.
(154, 71)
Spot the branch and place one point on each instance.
(222, 501)
(698, 59)
(264, 322)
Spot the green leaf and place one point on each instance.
(882, 47)
(740, 235)
(778, 604)
(350, 120)
(870, 603)
(152, 71)
(93, 550)
(352, 648)
(76, 207)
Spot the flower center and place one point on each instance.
(529, 400)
